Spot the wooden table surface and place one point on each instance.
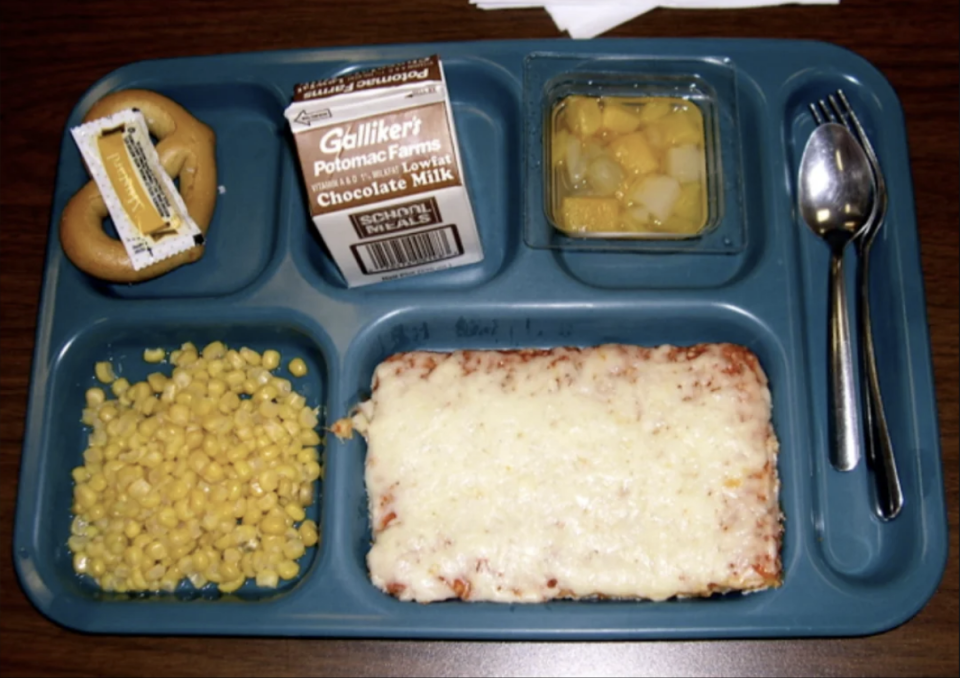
(53, 51)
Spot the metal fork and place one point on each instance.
(879, 447)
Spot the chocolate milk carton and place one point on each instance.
(379, 156)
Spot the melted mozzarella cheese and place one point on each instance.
(612, 471)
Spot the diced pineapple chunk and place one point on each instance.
(583, 214)
(619, 119)
(634, 154)
(583, 115)
(690, 203)
(682, 126)
(655, 109)
(558, 151)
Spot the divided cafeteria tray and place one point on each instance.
(266, 281)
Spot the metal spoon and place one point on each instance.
(836, 193)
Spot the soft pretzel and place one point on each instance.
(186, 150)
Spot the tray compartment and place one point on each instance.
(122, 341)
(242, 237)
(644, 270)
(493, 327)
(855, 543)
(485, 109)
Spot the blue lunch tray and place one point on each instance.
(266, 281)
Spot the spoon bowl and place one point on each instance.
(836, 184)
(835, 196)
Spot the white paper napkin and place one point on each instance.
(589, 19)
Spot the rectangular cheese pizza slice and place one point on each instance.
(614, 472)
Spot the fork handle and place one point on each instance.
(845, 451)
(879, 447)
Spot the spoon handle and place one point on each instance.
(845, 452)
(879, 447)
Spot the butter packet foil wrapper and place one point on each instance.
(148, 213)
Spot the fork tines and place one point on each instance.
(835, 108)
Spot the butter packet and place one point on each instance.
(147, 210)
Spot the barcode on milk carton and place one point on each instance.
(394, 254)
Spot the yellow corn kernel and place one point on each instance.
(273, 525)
(243, 470)
(138, 488)
(170, 391)
(94, 397)
(186, 358)
(155, 550)
(250, 357)
(168, 517)
(204, 406)
(244, 535)
(201, 561)
(77, 544)
(152, 500)
(132, 529)
(230, 571)
(293, 549)
(107, 413)
(198, 461)
(179, 414)
(115, 542)
(216, 367)
(309, 438)
(284, 386)
(157, 380)
(148, 427)
(311, 470)
(198, 501)
(270, 359)
(297, 367)
(96, 512)
(182, 509)
(216, 388)
(267, 501)
(104, 372)
(231, 586)
(269, 409)
(252, 516)
(307, 418)
(268, 579)
(80, 563)
(184, 398)
(305, 495)
(233, 360)
(119, 386)
(287, 569)
(151, 459)
(268, 480)
(215, 350)
(309, 534)
(154, 355)
(295, 512)
(96, 567)
(85, 495)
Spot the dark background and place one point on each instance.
(53, 51)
